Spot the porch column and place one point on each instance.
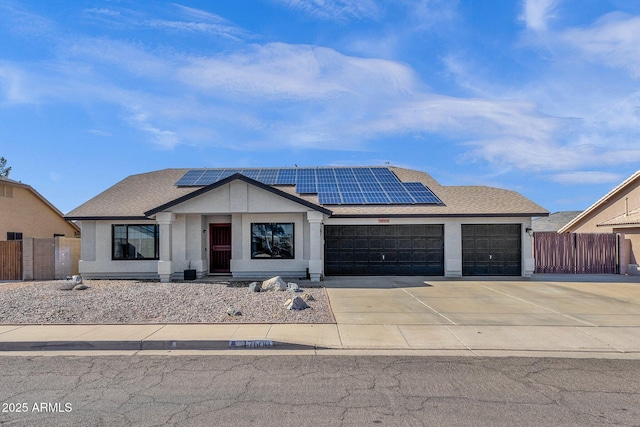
(315, 245)
(165, 264)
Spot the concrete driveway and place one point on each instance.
(489, 313)
(499, 302)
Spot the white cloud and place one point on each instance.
(587, 177)
(537, 13)
(614, 40)
(337, 10)
(163, 138)
(282, 71)
(12, 83)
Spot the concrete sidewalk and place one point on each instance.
(621, 342)
(395, 315)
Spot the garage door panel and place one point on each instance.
(491, 249)
(385, 250)
(360, 244)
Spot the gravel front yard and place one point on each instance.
(130, 301)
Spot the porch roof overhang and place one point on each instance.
(229, 179)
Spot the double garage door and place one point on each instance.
(487, 249)
(384, 250)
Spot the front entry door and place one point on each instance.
(220, 244)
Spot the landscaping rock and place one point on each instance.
(274, 284)
(255, 287)
(307, 297)
(76, 280)
(293, 287)
(296, 303)
(233, 312)
(67, 286)
(80, 287)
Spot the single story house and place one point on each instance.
(618, 211)
(303, 222)
(26, 213)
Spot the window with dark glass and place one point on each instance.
(14, 235)
(272, 240)
(136, 242)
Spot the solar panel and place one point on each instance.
(190, 178)
(384, 175)
(420, 193)
(334, 186)
(250, 173)
(364, 175)
(208, 177)
(306, 181)
(287, 176)
(267, 176)
(329, 198)
(227, 173)
(353, 198)
(398, 197)
(376, 198)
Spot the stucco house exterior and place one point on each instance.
(26, 213)
(618, 211)
(303, 222)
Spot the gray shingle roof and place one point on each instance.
(137, 194)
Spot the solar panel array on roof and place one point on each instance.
(333, 185)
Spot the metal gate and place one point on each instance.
(575, 253)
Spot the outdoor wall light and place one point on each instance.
(529, 231)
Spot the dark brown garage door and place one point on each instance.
(491, 250)
(384, 250)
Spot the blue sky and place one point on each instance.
(538, 96)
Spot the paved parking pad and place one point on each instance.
(424, 301)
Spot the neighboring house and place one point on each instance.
(618, 211)
(554, 221)
(26, 213)
(299, 222)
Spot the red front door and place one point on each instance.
(220, 244)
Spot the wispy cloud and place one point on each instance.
(336, 10)
(193, 21)
(614, 41)
(587, 177)
(537, 13)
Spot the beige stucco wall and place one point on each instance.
(26, 213)
(627, 199)
(611, 209)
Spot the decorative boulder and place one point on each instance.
(255, 287)
(296, 303)
(80, 287)
(274, 284)
(233, 312)
(293, 287)
(67, 286)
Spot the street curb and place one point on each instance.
(151, 345)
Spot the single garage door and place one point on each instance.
(491, 250)
(384, 250)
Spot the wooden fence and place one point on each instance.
(11, 260)
(575, 253)
(39, 258)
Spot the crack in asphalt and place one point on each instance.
(323, 390)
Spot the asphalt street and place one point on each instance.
(317, 390)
